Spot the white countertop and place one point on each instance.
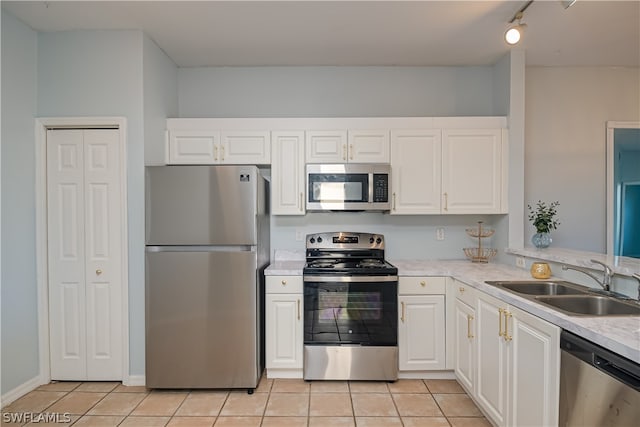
(618, 334)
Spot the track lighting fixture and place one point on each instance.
(514, 33)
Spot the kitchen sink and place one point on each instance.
(570, 298)
(591, 305)
(551, 287)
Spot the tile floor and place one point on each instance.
(275, 403)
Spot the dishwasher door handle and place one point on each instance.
(617, 372)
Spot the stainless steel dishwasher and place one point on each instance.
(597, 387)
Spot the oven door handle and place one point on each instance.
(346, 279)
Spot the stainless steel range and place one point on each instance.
(350, 308)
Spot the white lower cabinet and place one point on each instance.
(465, 339)
(518, 365)
(283, 326)
(421, 329)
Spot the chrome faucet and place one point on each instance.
(637, 277)
(607, 274)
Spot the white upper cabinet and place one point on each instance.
(354, 146)
(287, 173)
(219, 147)
(415, 171)
(449, 171)
(472, 171)
(193, 147)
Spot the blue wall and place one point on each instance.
(19, 288)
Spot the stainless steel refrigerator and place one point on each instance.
(207, 244)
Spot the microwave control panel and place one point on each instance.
(380, 187)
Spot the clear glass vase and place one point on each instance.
(541, 240)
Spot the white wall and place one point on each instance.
(565, 149)
(99, 73)
(19, 299)
(335, 91)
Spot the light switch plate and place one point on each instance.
(521, 262)
(440, 233)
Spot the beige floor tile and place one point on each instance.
(35, 401)
(457, 405)
(290, 386)
(76, 402)
(444, 386)
(330, 405)
(288, 404)
(373, 405)
(117, 404)
(59, 386)
(98, 386)
(469, 422)
(264, 386)
(160, 404)
(408, 386)
(99, 421)
(191, 422)
(243, 404)
(130, 389)
(331, 422)
(416, 405)
(284, 422)
(329, 387)
(378, 422)
(145, 422)
(425, 422)
(203, 403)
(368, 387)
(238, 422)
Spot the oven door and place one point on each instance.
(355, 310)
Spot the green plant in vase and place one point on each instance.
(543, 218)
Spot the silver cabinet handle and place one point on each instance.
(394, 201)
(301, 202)
(446, 201)
(402, 315)
(298, 309)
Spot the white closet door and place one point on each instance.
(84, 229)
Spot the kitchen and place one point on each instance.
(43, 84)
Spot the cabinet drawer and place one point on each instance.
(465, 293)
(284, 284)
(421, 285)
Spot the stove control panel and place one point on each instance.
(344, 240)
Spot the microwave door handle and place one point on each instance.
(370, 199)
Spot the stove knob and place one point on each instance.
(319, 239)
(371, 240)
(312, 240)
(378, 240)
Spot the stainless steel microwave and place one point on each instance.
(348, 187)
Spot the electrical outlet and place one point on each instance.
(520, 262)
(440, 233)
(299, 236)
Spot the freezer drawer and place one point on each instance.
(202, 319)
(202, 205)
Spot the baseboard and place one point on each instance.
(134, 380)
(20, 391)
(427, 375)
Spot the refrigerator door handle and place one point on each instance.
(201, 248)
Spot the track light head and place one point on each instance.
(514, 33)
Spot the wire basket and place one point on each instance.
(480, 232)
(480, 254)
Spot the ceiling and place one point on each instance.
(357, 33)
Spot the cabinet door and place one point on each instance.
(245, 147)
(492, 359)
(287, 173)
(415, 171)
(465, 343)
(472, 171)
(326, 146)
(421, 333)
(368, 146)
(193, 147)
(283, 331)
(534, 370)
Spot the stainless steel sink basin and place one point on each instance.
(569, 298)
(550, 287)
(591, 305)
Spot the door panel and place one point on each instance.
(84, 241)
